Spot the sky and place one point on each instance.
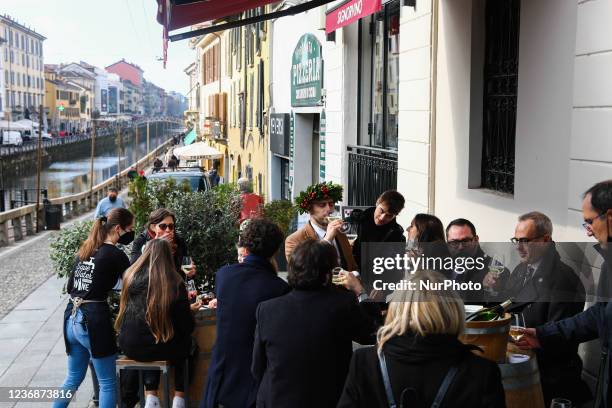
(101, 32)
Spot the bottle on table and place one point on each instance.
(489, 313)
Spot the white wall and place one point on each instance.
(286, 34)
(544, 120)
(413, 175)
(590, 155)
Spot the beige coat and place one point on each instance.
(307, 232)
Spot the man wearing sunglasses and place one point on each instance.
(596, 321)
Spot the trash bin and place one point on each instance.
(53, 216)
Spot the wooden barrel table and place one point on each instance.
(522, 384)
(490, 336)
(205, 334)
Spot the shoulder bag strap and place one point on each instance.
(444, 387)
(385, 376)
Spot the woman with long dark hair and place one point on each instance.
(426, 237)
(155, 320)
(88, 327)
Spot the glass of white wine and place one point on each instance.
(496, 269)
(517, 326)
(337, 275)
(186, 264)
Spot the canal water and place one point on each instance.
(62, 178)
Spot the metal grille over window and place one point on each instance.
(500, 94)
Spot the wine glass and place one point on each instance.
(335, 216)
(496, 268)
(192, 292)
(337, 275)
(560, 403)
(352, 238)
(186, 264)
(517, 326)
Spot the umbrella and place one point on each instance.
(195, 151)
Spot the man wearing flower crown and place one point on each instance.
(318, 200)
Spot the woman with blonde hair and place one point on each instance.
(418, 360)
(155, 320)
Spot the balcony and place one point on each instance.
(371, 171)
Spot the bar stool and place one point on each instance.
(124, 363)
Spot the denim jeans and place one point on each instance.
(78, 359)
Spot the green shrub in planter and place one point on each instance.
(148, 195)
(208, 222)
(282, 212)
(64, 247)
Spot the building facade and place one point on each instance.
(62, 103)
(234, 71)
(22, 69)
(78, 75)
(108, 89)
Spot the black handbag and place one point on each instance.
(448, 379)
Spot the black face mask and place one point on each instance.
(112, 198)
(126, 238)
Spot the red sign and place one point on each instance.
(350, 12)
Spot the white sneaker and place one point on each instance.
(178, 402)
(152, 402)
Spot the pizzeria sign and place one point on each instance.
(307, 72)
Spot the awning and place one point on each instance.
(175, 14)
(195, 151)
(190, 138)
(348, 12)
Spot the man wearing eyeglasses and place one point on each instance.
(596, 321)
(553, 292)
(463, 242)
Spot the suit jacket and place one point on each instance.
(303, 346)
(557, 293)
(307, 232)
(240, 288)
(593, 323)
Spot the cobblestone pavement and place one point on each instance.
(25, 266)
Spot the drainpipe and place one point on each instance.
(432, 105)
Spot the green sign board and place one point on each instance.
(307, 72)
(322, 126)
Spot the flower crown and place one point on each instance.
(318, 192)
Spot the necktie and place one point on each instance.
(528, 274)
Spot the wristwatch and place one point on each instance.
(362, 296)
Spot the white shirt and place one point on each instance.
(321, 234)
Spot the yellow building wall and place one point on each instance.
(253, 150)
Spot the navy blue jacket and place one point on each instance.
(593, 323)
(240, 288)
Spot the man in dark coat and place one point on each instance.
(303, 340)
(553, 291)
(240, 288)
(377, 224)
(596, 321)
